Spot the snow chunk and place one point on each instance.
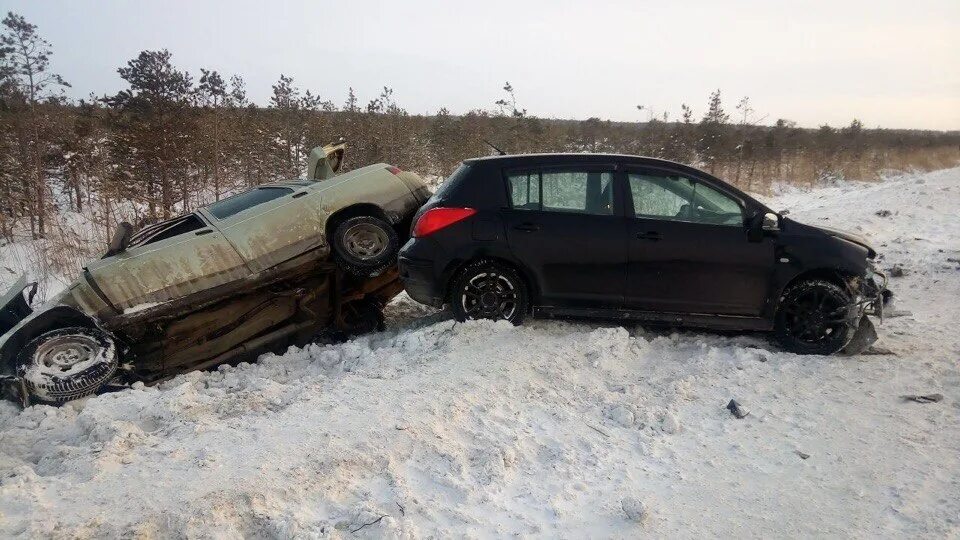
(635, 509)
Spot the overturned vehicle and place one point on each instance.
(256, 272)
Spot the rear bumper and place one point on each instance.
(418, 271)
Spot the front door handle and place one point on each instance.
(652, 236)
(527, 227)
(203, 232)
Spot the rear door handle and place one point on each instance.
(653, 236)
(527, 227)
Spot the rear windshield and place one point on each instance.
(444, 189)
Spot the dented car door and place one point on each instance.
(269, 225)
(175, 259)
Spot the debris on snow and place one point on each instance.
(928, 398)
(803, 455)
(736, 409)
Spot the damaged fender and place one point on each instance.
(21, 324)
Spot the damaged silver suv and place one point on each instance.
(254, 272)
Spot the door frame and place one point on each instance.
(616, 216)
(747, 208)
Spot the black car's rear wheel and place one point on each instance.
(365, 245)
(813, 318)
(489, 290)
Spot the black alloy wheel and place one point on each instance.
(489, 290)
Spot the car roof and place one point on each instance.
(575, 157)
(521, 160)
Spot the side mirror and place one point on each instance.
(771, 222)
(121, 239)
(761, 223)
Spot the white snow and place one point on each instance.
(550, 429)
(141, 307)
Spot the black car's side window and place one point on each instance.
(677, 198)
(525, 191)
(582, 192)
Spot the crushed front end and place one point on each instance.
(870, 298)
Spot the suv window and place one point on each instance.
(167, 229)
(582, 192)
(248, 199)
(677, 198)
(525, 191)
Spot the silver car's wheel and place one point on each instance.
(365, 241)
(365, 245)
(67, 364)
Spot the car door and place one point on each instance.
(272, 224)
(688, 248)
(168, 261)
(564, 225)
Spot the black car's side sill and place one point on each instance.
(695, 320)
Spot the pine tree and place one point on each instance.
(154, 128)
(26, 81)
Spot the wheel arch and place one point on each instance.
(458, 265)
(833, 275)
(351, 211)
(38, 323)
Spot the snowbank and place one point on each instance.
(550, 429)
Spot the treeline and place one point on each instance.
(170, 141)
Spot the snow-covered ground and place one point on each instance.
(550, 429)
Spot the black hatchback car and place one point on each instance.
(626, 237)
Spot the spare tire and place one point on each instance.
(66, 364)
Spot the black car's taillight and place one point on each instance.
(440, 218)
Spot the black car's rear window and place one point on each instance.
(458, 174)
(248, 199)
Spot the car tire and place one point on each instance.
(812, 318)
(67, 364)
(489, 290)
(365, 246)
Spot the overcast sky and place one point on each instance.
(891, 64)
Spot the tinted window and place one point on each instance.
(525, 191)
(563, 191)
(248, 199)
(682, 199)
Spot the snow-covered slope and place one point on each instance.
(551, 429)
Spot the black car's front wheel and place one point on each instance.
(489, 290)
(813, 318)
